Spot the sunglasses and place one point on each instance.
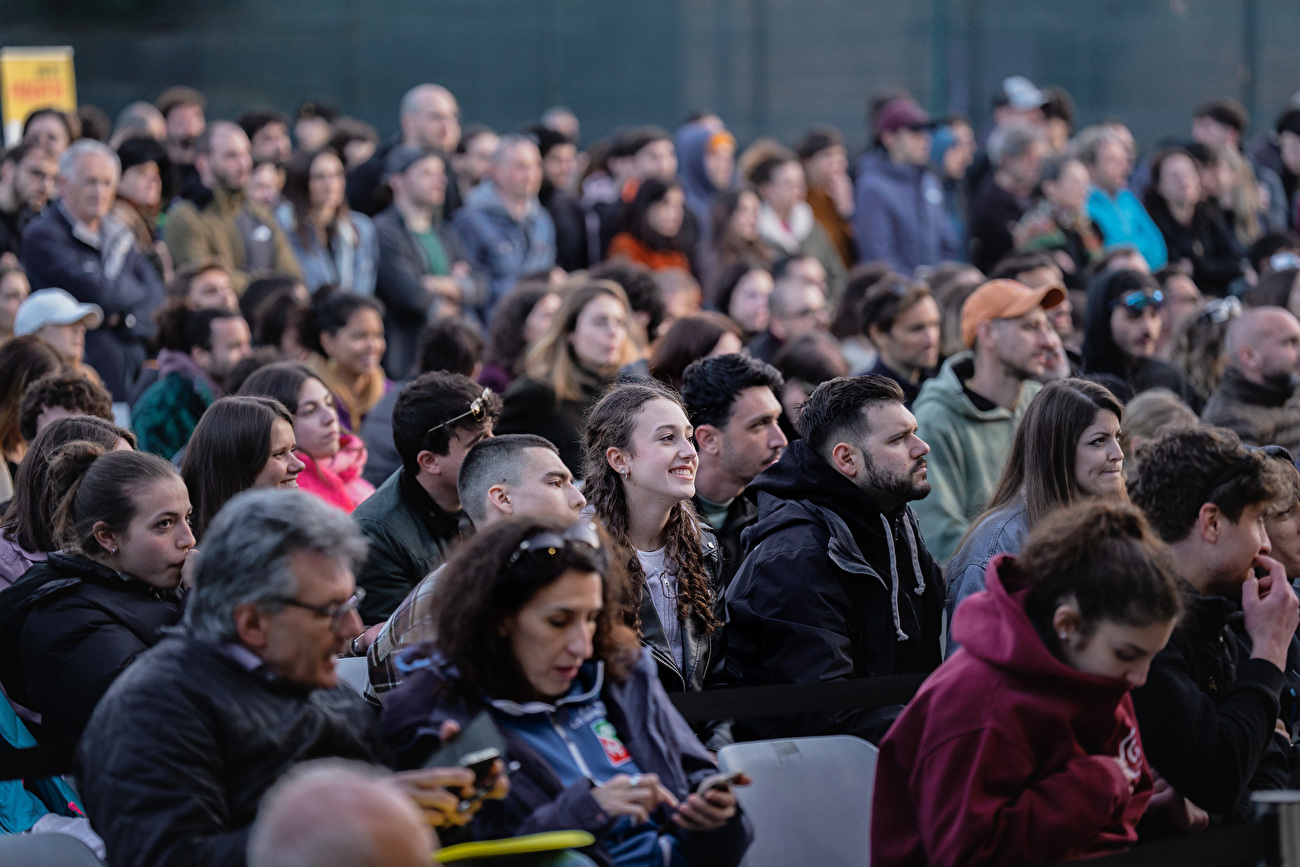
(336, 613)
(1137, 302)
(1220, 310)
(477, 410)
(544, 548)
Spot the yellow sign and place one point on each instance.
(32, 78)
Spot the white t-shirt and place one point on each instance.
(661, 584)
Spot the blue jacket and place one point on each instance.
(900, 216)
(356, 250)
(504, 248)
(121, 281)
(1003, 532)
(1123, 220)
(657, 739)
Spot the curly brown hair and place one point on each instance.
(478, 590)
(610, 424)
(1186, 469)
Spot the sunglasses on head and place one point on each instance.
(545, 547)
(477, 410)
(1137, 302)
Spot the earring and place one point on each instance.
(1064, 635)
(623, 472)
(112, 550)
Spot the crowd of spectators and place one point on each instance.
(543, 431)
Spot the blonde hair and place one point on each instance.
(1245, 197)
(552, 360)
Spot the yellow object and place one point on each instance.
(32, 78)
(551, 841)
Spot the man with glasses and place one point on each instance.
(798, 307)
(968, 413)
(415, 516)
(1256, 399)
(1209, 711)
(178, 754)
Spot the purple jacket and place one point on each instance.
(15, 560)
(900, 216)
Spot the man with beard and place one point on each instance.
(1256, 399)
(735, 404)
(968, 413)
(837, 583)
(27, 174)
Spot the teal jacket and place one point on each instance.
(1122, 220)
(165, 415)
(968, 448)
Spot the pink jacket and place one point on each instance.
(337, 480)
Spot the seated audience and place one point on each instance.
(703, 335)
(1034, 717)
(518, 323)
(566, 370)
(1197, 238)
(23, 360)
(1059, 223)
(332, 461)
(27, 179)
(415, 515)
(528, 618)
(206, 285)
(744, 293)
(14, 289)
(1066, 448)
(345, 334)
(1256, 397)
(652, 223)
(1016, 151)
(786, 224)
(968, 413)
(1123, 324)
(75, 622)
(1147, 417)
(140, 197)
(27, 524)
(334, 246)
(61, 321)
(734, 403)
(78, 246)
(59, 395)
(830, 190)
(733, 239)
(1210, 708)
(846, 321)
(798, 307)
(199, 348)
(832, 510)
(901, 320)
(1113, 209)
(510, 476)
(239, 443)
(640, 478)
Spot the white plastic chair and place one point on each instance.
(353, 671)
(45, 850)
(810, 803)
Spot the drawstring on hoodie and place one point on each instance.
(893, 571)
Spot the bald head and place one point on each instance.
(344, 814)
(430, 118)
(1263, 344)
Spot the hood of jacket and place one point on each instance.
(692, 142)
(992, 626)
(1101, 354)
(946, 389)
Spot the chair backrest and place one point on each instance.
(354, 672)
(810, 803)
(45, 850)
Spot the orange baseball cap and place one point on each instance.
(1004, 299)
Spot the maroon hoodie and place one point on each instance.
(1007, 756)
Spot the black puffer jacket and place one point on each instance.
(825, 593)
(70, 627)
(184, 745)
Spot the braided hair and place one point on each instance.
(610, 424)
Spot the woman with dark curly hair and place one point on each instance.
(519, 321)
(640, 472)
(529, 632)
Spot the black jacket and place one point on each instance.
(994, 212)
(1208, 711)
(814, 598)
(180, 751)
(649, 726)
(531, 407)
(71, 627)
(367, 192)
(570, 219)
(741, 515)
(1207, 243)
(409, 537)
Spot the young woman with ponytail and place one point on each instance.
(640, 466)
(72, 624)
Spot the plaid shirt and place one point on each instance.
(405, 628)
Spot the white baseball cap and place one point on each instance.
(54, 307)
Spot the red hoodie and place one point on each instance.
(1007, 756)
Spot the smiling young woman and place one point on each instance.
(76, 621)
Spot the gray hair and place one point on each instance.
(246, 551)
(508, 142)
(1088, 143)
(81, 147)
(1012, 140)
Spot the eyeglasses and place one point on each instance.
(1220, 310)
(1275, 452)
(1137, 302)
(543, 548)
(336, 613)
(477, 409)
